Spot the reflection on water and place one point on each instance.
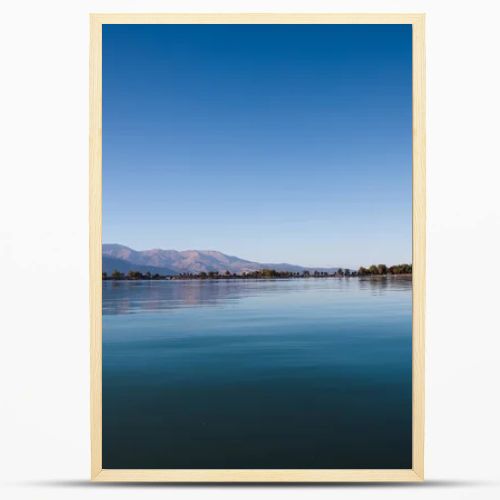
(123, 297)
(301, 373)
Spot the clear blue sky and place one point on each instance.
(275, 143)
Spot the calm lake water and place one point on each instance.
(303, 373)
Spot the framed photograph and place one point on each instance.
(257, 247)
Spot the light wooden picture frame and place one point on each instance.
(416, 473)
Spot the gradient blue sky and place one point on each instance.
(275, 143)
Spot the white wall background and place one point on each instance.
(44, 431)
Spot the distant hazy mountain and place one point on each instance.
(125, 259)
(110, 264)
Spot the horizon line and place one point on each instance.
(255, 261)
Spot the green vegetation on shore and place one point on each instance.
(382, 270)
(374, 270)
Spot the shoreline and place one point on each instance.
(405, 276)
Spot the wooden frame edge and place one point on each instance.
(416, 474)
(95, 244)
(419, 244)
(253, 18)
(257, 475)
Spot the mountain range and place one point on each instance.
(170, 262)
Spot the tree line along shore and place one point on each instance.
(372, 271)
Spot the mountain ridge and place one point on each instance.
(173, 262)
